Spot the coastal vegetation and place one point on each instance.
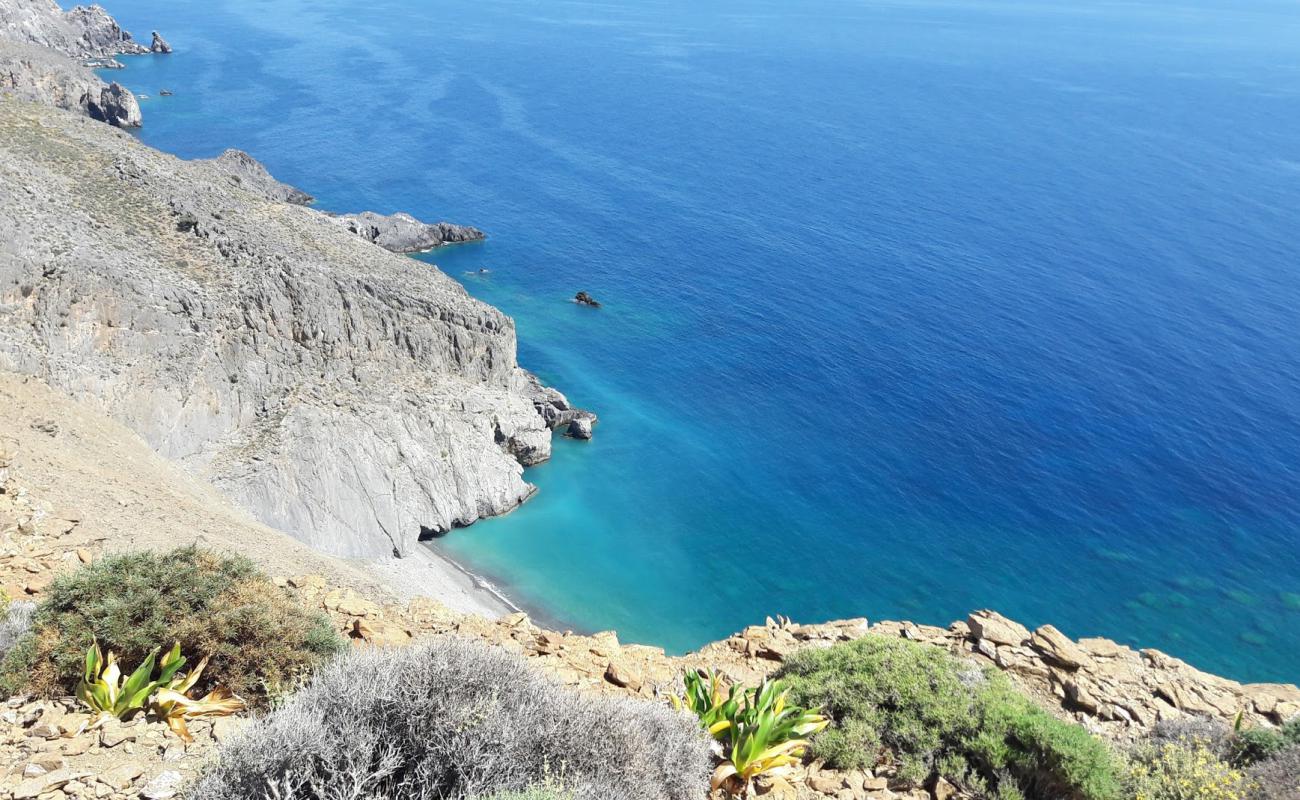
(945, 719)
(1204, 759)
(257, 641)
(760, 733)
(455, 718)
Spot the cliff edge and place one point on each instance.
(351, 397)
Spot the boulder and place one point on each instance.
(996, 628)
(117, 107)
(579, 428)
(402, 233)
(1058, 648)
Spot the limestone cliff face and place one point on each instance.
(42, 50)
(351, 397)
(38, 74)
(83, 32)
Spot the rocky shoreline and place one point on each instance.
(356, 399)
(1112, 690)
(293, 362)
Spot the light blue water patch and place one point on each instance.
(911, 308)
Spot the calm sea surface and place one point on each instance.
(911, 308)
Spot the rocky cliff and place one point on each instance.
(84, 32)
(45, 53)
(351, 397)
(37, 74)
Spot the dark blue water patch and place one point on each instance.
(909, 308)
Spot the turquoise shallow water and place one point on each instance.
(911, 307)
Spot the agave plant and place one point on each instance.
(173, 703)
(103, 690)
(759, 733)
(704, 699)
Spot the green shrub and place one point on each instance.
(1252, 745)
(1187, 770)
(256, 637)
(760, 733)
(941, 716)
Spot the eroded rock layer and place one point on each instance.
(351, 397)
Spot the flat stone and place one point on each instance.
(114, 733)
(1058, 647)
(163, 787)
(122, 775)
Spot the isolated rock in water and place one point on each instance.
(402, 233)
(584, 299)
(164, 92)
(248, 173)
(580, 427)
(117, 107)
(159, 44)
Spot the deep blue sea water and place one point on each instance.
(911, 307)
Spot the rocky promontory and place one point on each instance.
(84, 32)
(248, 173)
(47, 56)
(344, 394)
(402, 233)
(37, 74)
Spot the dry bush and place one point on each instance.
(455, 719)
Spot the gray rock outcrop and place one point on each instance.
(47, 56)
(117, 106)
(96, 33)
(159, 44)
(402, 233)
(339, 392)
(37, 74)
(248, 173)
(84, 32)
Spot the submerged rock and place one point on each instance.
(584, 299)
(402, 233)
(159, 44)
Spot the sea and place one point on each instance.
(909, 307)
